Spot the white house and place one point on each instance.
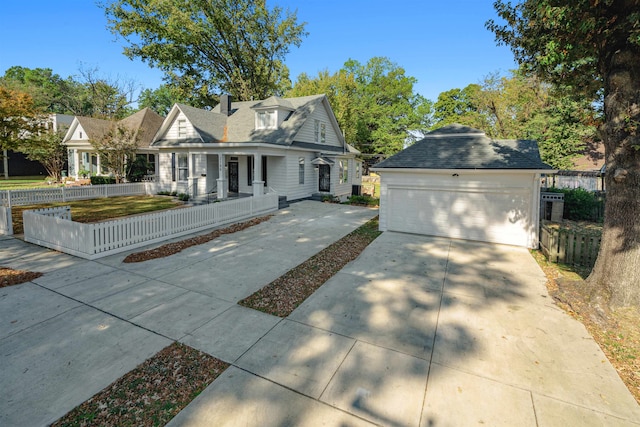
(458, 183)
(291, 146)
(82, 155)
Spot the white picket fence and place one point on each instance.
(6, 223)
(47, 227)
(66, 194)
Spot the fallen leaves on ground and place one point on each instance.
(287, 292)
(10, 277)
(153, 393)
(175, 247)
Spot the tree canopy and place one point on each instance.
(592, 48)
(206, 47)
(521, 106)
(18, 117)
(374, 103)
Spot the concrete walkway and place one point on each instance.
(417, 331)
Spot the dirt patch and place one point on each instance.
(287, 292)
(151, 394)
(616, 331)
(175, 247)
(10, 277)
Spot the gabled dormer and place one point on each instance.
(270, 113)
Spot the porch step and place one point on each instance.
(282, 202)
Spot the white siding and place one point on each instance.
(494, 207)
(295, 190)
(172, 132)
(79, 134)
(307, 132)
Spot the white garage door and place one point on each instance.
(499, 216)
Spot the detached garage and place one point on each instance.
(458, 183)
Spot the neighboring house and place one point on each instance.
(82, 155)
(16, 164)
(587, 173)
(458, 183)
(291, 146)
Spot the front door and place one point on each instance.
(324, 178)
(233, 177)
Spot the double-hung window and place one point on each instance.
(179, 166)
(320, 132)
(266, 120)
(300, 170)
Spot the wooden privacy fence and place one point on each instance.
(567, 246)
(64, 194)
(52, 229)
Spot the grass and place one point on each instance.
(95, 210)
(23, 182)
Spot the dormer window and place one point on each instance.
(266, 119)
(320, 132)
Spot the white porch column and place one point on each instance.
(258, 184)
(98, 165)
(222, 177)
(76, 163)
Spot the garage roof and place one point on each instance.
(462, 147)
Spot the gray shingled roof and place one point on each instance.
(461, 147)
(146, 123)
(209, 125)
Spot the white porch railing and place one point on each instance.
(92, 241)
(65, 194)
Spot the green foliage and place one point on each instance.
(92, 95)
(375, 104)
(206, 47)
(520, 106)
(138, 169)
(364, 200)
(580, 204)
(18, 117)
(161, 99)
(46, 147)
(116, 148)
(183, 196)
(101, 180)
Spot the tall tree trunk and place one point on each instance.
(617, 269)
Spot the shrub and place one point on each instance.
(364, 200)
(580, 204)
(100, 180)
(183, 196)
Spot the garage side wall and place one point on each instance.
(491, 206)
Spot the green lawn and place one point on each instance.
(95, 210)
(23, 182)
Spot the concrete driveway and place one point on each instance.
(417, 331)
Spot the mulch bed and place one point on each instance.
(10, 277)
(287, 292)
(153, 393)
(174, 248)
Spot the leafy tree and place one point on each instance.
(45, 88)
(522, 106)
(458, 106)
(18, 117)
(160, 100)
(48, 149)
(375, 104)
(593, 46)
(117, 150)
(210, 46)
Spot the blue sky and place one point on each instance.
(442, 44)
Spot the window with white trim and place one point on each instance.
(266, 120)
(320, 132)
(179, 166)
(300, 170)
(182, 128)
(344, 171)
